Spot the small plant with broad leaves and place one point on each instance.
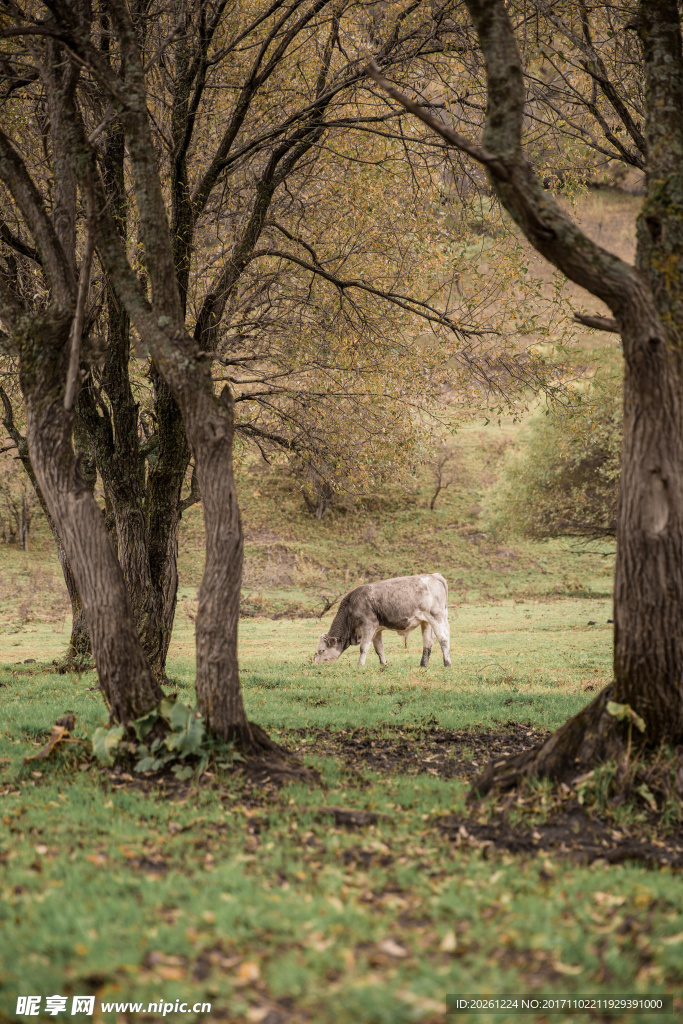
(181, 745)
(625, 713)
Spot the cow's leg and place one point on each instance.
(443, 635)
(427, 641)
(379, 647)
(365, 642)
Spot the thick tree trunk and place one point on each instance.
(79, 644)
(219, 694)
(142, 494)
(125, 675)
(648, 589)
(648, 584)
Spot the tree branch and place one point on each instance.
(77, 325)
(24, 192)
(599, 323)
(546, 226)
(461, 142)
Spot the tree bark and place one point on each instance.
(163, 502)
(80, 647)
(79, 644)
(142, 492)
(125, 675)
(648, 589)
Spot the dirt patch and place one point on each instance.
(568, 829)
(459, 753)
(570, 832)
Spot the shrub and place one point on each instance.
(566, 479)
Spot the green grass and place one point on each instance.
(254, 904)
(243, 919)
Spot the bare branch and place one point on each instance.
(111, 112)
(599, 323)
(461, 142)
(77, 325)
(24, 192)
(329, 603)
(195, 494)
(407, 302)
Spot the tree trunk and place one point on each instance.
(648, 306)
(648, 584)
(219, 694)
(142, 494)
(79, 645)
(125, 675)
(164, 488)
(648, 588)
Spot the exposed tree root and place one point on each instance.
(591, 737)
(267, 761)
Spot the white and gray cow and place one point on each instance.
(400, 604)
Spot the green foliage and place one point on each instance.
(187, 726)
(105, 742)
(565, 480)
(625, 713)
(182, 736)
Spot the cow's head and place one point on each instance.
(329, 649)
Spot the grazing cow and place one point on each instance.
(400, 604)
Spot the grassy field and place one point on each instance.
(251, 898)
(358, 898)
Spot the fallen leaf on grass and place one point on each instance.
(170, 973)
(448, 943)
(255, 1014)
(98, 859)
(247, 972)
(608, 899)
(392, 948)
(57, 734)
(672, 940)
(423, 1003)
(566, 968)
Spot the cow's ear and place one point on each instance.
(331, 641)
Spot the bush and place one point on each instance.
(566, 480)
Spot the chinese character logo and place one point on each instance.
(55, 1004)
(83, 1004)
(28, 1006)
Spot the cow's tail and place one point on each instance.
(440, 578)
